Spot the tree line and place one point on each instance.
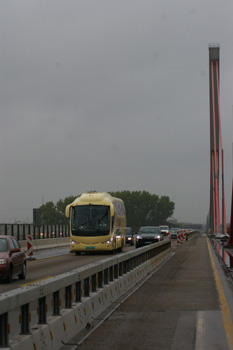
(142, 209)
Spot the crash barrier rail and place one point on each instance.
(55, 310)
(21, 231)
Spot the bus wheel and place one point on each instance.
(78, 253)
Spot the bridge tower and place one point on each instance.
(216, 151)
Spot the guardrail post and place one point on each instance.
(25, 319)
(42, 310)
(124, 266)
(93, 283)
(100, 279)
(17, 230)
(24, 236)
(115, 271)
(130, 264)
(4, 330)
(78, 292)
(56, 303)
(120, 269)
(106, 276)
(68, 298)
(111, 273)
(86, 287)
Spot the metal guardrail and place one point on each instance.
(35, 303)
(21, 231)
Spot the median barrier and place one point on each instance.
(46, 243)
(179, 238)
(187, 235)
(73, 302)
(169, 235)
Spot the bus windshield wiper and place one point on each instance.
(77, 228)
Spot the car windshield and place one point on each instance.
(128, 231)
(149, 230)
(164, 227)
(3, 245)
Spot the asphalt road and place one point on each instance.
(180, 307)
(50, 263)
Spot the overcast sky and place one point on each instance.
(110, 96)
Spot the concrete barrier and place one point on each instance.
(88, 292)
(46, 243)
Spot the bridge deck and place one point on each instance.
(178, 307)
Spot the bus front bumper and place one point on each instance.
(83, 247)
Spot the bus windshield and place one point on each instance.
(90, 220)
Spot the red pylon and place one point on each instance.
(230, 241)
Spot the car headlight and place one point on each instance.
(129, 238)
(3, 262)
(139, 237)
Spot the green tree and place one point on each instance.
(165, 208)
(48, 213)
(142, 209)
(55, 214)
(61, 207)
(145, 209)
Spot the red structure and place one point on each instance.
(230, 241)
(216, 151)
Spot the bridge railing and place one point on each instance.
(21, 231)
(46, 306)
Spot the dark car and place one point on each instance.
(12, 258)
(148, 235)
(129, 239)
(174, 231)
(164, 230)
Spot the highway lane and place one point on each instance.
(53, 262)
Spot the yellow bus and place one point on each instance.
(97, 223)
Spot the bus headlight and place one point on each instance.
(73, 242)
(108, 241)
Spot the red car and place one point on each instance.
(12, 258)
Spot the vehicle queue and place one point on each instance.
(97, 223)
